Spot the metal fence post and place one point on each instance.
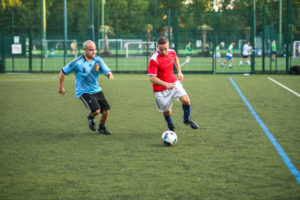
(263, 39)
(214, 67)
(252, 40)
(30, 50)
(3, 51)
(175, 31)
(287, 43)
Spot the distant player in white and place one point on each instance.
(247, 50)
(229, 55)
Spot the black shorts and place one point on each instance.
(245, 56)
(95, 101)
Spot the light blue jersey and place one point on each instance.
(87, 74)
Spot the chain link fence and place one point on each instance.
(210, 34)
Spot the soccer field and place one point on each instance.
(48, 151)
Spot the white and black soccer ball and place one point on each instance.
(169, 138)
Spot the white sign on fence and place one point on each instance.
(16, 49)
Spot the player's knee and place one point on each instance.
(96, 112)
(105, 112)
(186, 102)
(168, 113)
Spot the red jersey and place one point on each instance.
(162, 67)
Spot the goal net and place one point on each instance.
(115, 43)
(296, 49)
(55, 48)
(141, 48)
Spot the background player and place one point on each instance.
(188, 52)
(165, 85)
(247, 50)
(217, 53)
(229, 55)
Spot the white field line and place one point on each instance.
(288, 89)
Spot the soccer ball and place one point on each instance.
(169, 138)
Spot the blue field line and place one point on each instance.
(285, 158)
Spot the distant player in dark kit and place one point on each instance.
(165, 85)
(87, 68)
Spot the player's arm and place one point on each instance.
(177, 65)
(105, 70)
(158, 81)
(62, 76)
(110, 75)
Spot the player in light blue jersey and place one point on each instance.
(87, 68)
(229, 55)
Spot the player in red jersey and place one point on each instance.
(165, 85)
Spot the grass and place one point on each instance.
(48, 151)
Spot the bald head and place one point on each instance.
(89, 48)
(88, 43)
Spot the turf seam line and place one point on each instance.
(288, 89)
(277, 146)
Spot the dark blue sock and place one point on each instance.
(169, 119)
(186, 112)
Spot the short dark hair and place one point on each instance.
(162, 40)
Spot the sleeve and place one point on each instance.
(69, 67)
(152, 68)
(103, 67)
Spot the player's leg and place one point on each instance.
(180, 94)
(241, 62)
(186, 107)
(185, 62)
(226, 60)
(248, 60)
(230, 63)
(169, 120)
(105, 107)
(164, 105)
(188, 58)
(91, 103)
(218, 58)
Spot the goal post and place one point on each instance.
(138, 48)
(296, 49)
(113, 42)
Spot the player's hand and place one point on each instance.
(170, 86)
(110, 75)
(180, 77)
(62, 91)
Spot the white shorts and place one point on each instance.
(164, 98)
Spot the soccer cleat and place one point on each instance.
(103, 130)
(222, 64)
(230, 66)
(191, 123)
(92, 124)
